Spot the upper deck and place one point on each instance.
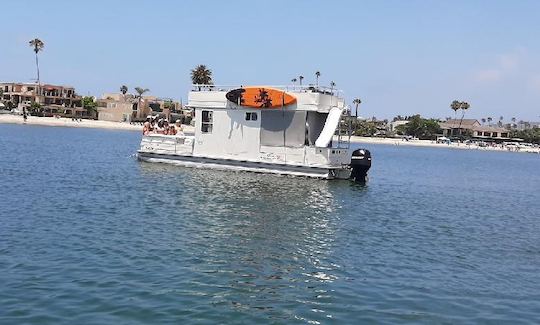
(308, 98)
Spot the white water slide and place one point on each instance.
(329, 128)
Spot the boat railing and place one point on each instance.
(289, 88)
(169, 144)
(342, 136)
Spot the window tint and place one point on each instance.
(250, 116)
(206, 122)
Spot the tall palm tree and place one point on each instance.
(300, 78)
(357, 102)
(124, 89)
(513, 121)
(293, 80)
(489, 119)
(38, 46)
(483, 120)
(201, 75)
(317, 75)
(463, 106)
(140, 91)
(455, 106)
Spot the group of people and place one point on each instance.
(155, 125)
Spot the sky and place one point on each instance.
(399, 57)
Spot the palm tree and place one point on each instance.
(317, 75)
(463, 106)
(455, 105)
(140, 91)
(38, 45)
(201, 75)
(513, 121)
(332, 85)
(293, 80)
(489, 119)
(300, 78)
(483, 120)
(124, 90)
(357, 102)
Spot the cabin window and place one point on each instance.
(251, 116)
(206, 122)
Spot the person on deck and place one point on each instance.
(147, 128)
(165, 127)
(179, 129)
(160, 128)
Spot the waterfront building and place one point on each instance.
(54, 99)
(394, 124)
(118, 107)
(473, 128)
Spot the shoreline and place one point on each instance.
(433, 144)
(67, 122)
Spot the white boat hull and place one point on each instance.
(247, 166)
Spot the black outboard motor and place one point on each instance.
(360, 164)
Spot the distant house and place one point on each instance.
(474, 129)
(456, 127)
(118, 107)
(490, 132)
(55, 99)
(394, 124)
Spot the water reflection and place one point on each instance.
(261, 241)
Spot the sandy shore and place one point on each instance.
(433, 144)
(67, 122)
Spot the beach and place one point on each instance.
(68, 122)
(431, 143)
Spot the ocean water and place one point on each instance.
(90, 235)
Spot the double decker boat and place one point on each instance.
(301, 131)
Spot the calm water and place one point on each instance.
(89, 235)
